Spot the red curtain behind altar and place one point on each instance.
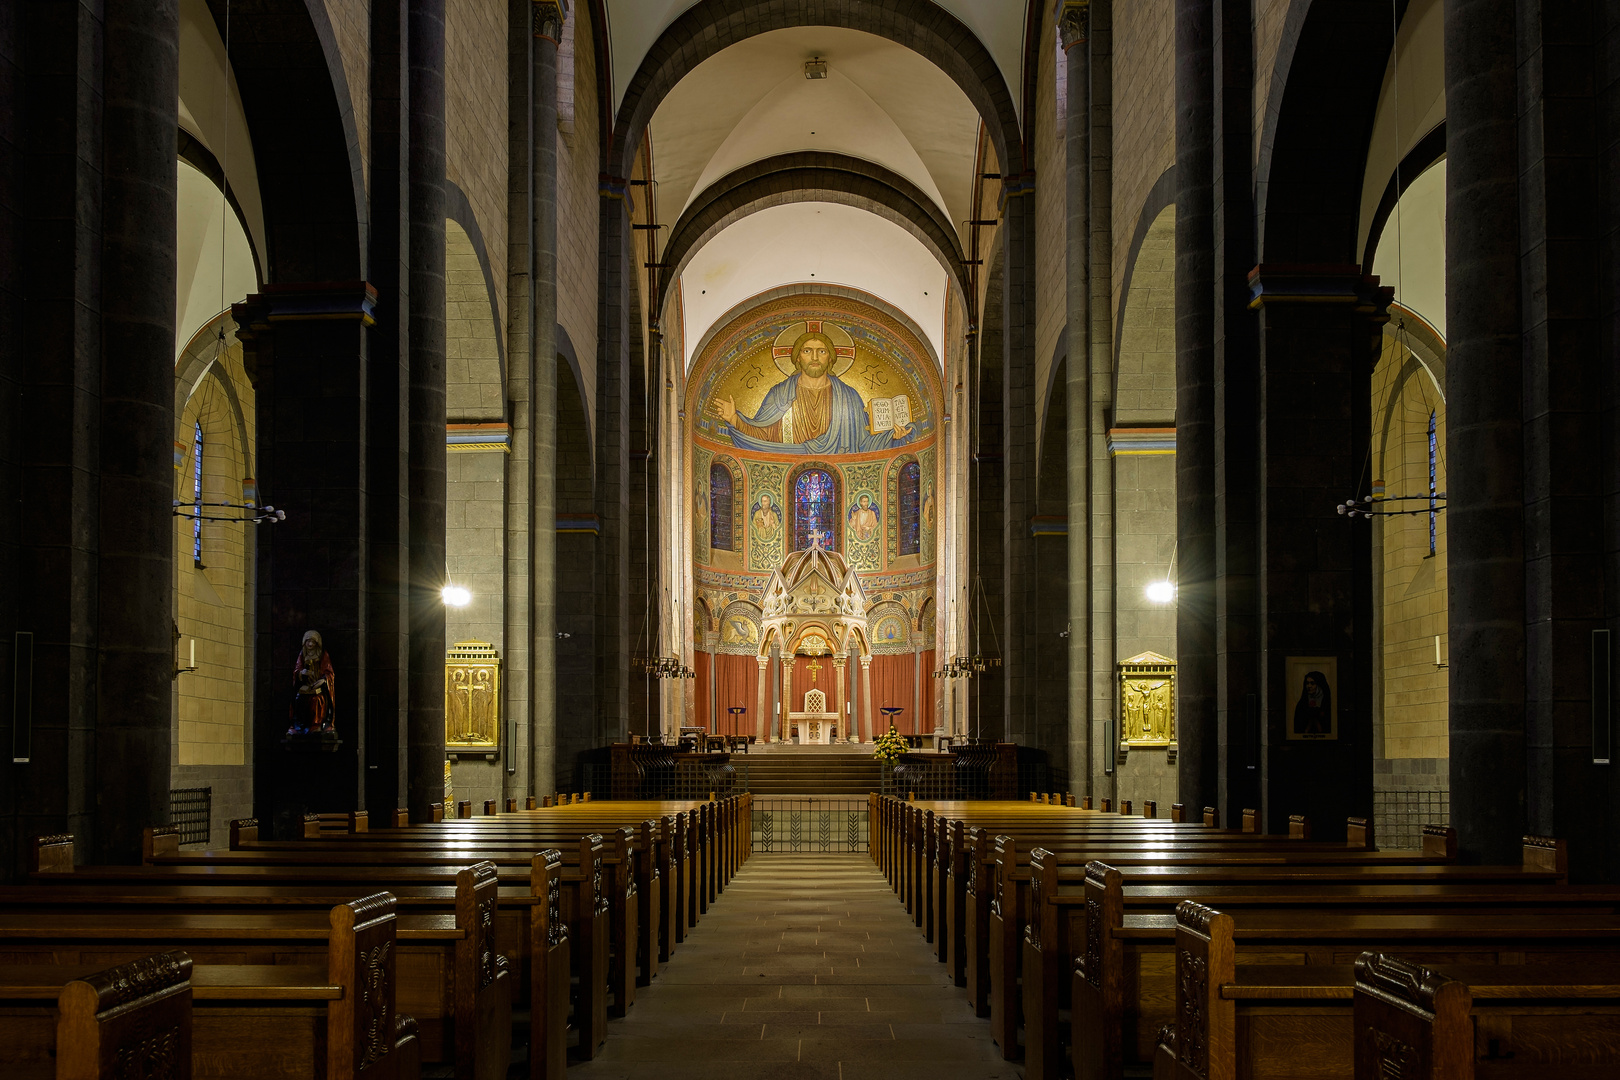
(893, 677)
(736, 679)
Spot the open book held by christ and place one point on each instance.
(886, 414)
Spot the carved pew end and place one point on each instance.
(1212, 818)
(1251, 820)
(131, 1020)
(402, 818)
(1178, 812)
(1358, 833)
(359, 821)
(1299, 827)
(1406, 1015)
(312, 827)
(1125, 807)
(511, 806)
(464, 808)
(528, 802)
(1547, 854)
(1150, 809)
(491, 807)
(1085, 802)
(243, 831)
(159, 840)
(1439, 842)
(1106, 806)
(436, 811)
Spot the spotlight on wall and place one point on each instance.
(1161, 592)
(456, 596)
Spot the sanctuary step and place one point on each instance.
(782, 769)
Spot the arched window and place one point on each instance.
(196, 494)
(910, 508)
(815, 510)
(720, 507)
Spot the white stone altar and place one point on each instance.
(816, 724)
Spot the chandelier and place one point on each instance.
(966, 667)
(217, 511)
(664, 667)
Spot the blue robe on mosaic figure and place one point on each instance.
(846, 427)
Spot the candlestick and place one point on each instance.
(193, 663)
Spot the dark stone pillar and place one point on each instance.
(1607, 84)
(1568, 795)
(548, 29)
(616, 253)
(135, 575)
(1319, 339)
(1019, 460)
(1196, 727)
(1074, 27)
(387, 382)
(51, 483)
(425, 19)
(1236, 397)
(1484, 432)
(306, 348)
(987, 627)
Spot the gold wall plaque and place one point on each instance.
(1147, 700)
(472, 696)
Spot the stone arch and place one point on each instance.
(811, 177)
(712, 25)
(475, 386)
(884, 612)
(305, 139)
(1145, 344)
(470, 293)
(1313, 140)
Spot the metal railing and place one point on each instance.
(191, 810)
(680, 780)
(802, 824)
(965, 779)
(1399, 815)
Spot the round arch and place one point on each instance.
(712, 25)
(812, 177)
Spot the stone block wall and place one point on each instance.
(1144, 114)
(475, 121)
(1051, 216)
(1145, 379)
(579, 150)
(474, 389)
(351, 30)
(475, 553)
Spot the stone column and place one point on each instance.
(867, 720)
(762, 697)
(1019, 454)
(549, 23)
(425, 83)
(135, 572)
(1074, 28)
(839, 663)
(312, 462)
(787, 695)
(1195, 406)
(615, 256)
(1484, 431)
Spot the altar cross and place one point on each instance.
(816, 537)
(815, 670)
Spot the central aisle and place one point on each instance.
(807, 966)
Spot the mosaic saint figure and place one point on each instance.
(311, 708)
(767, 522)
(811, 411)
(863, 518)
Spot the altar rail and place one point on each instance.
(645, 771)
(791, 824)
(972, 771)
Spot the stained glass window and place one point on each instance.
(815, 510)
(910, 508)
(720, 507)
(1433, 512)
(196, 495)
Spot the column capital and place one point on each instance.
(305, 302)
(549, 16)
(840, 661)
(1074, 23)
(763, 662)
(866, 662)
(1319, 283)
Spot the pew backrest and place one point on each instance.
(52, 854)
(1410, 1022)
(244, 831)
(131, 1020)
(365, 1038)
(1205, 962)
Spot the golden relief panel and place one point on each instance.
(1147, 700)
(472, 688)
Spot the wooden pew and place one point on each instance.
(449, 983)
(260, 1020)
(1383, 1016)
(132, 1020)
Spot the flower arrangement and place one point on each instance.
(888, 746)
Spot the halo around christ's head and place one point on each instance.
(843, 344)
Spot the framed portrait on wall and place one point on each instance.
(1311, 685)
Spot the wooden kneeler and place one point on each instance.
(131, 1020)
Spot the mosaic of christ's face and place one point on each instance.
(814, 357)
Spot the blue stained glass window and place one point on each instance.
(815, 510)
(196, 495)
(720, 507)
(910, 508)
(1433, 513)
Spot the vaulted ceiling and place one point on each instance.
(880, 103)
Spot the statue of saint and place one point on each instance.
(311, 709)
(823, 413)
